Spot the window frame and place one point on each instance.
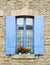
(25, 31)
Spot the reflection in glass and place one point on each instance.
(29, 32)
(20, 39)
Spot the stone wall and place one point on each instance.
(25, 7)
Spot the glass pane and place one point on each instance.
(29, 33)
(29, 21)
(20, 22)
(20, 31)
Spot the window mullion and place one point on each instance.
(24, 31)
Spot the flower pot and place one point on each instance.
(28, 53)
(19, 53)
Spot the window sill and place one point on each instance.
(24, 56)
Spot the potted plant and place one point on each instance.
(23, 50)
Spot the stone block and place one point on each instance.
(1, 13)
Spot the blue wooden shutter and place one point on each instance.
(10, 35)
(38, 35)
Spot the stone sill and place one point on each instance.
(25, 56)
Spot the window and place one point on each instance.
(26, 31)
(24, 27)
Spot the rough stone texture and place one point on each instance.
(25, 7)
